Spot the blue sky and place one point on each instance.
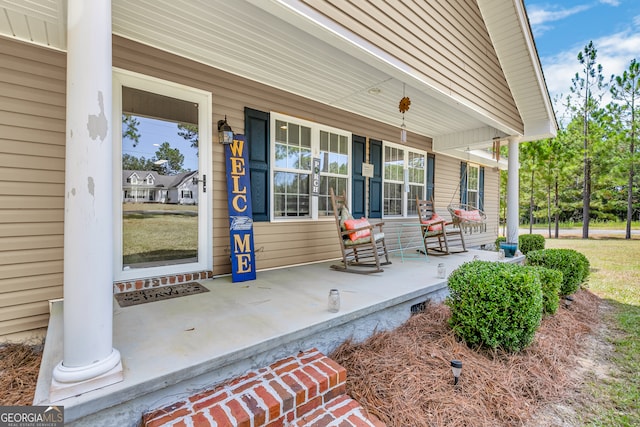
(562, 29)
(156, 132)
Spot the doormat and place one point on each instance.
(127, 299)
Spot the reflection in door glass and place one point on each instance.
(159, 180)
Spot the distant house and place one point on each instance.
(152, 187)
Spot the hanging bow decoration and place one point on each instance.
(405, 103)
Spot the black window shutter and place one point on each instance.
(358, 151)
(256, 124)
(463, 183)
(431, 173)
(375, 183)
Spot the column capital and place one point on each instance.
(514, 138)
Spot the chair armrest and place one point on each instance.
(379, 225)
(440, 221)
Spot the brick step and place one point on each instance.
(342, 411)
(303, 390)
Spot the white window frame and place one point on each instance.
(475, 190)
(316, 128)
(205, 131)
(405, 182)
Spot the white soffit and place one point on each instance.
(42, 22)
(510, 33)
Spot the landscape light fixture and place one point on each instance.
(225, 133)
(456, 367)
(567, 301)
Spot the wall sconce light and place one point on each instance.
(225, 133)
(456, 367)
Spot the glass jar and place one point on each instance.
(334, 301)
(442, 271)
(501, 254)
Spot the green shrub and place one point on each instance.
(573, 265)
(495, 304)
(530, 242)
(551, 282)
(500, 239)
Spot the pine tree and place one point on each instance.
(626, 89)
(587, 88)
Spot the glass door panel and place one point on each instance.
(160, 177)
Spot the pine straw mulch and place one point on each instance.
(404, 376)
(19, 366)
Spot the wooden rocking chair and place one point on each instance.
(362, 248)
(437, 237)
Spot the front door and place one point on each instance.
(162, 197)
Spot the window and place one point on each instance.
(404, 179)
(150, 180)
(292, 174)
(473, 174)
(472, 185)
(393, 180)
(296, 143)
(334, 168)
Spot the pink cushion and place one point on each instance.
(352, 224)
(473, 215)
(434, 218)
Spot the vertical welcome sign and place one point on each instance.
(243, 261)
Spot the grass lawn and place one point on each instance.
(615, 278)
(601, 225)
(149, 237)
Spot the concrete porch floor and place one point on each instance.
(175, 347)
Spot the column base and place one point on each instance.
(68, 382)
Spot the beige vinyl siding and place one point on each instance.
(32, 125)
(448, 46)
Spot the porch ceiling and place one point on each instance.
(275, 43)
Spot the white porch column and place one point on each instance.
(89, 359)
(513, 190)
